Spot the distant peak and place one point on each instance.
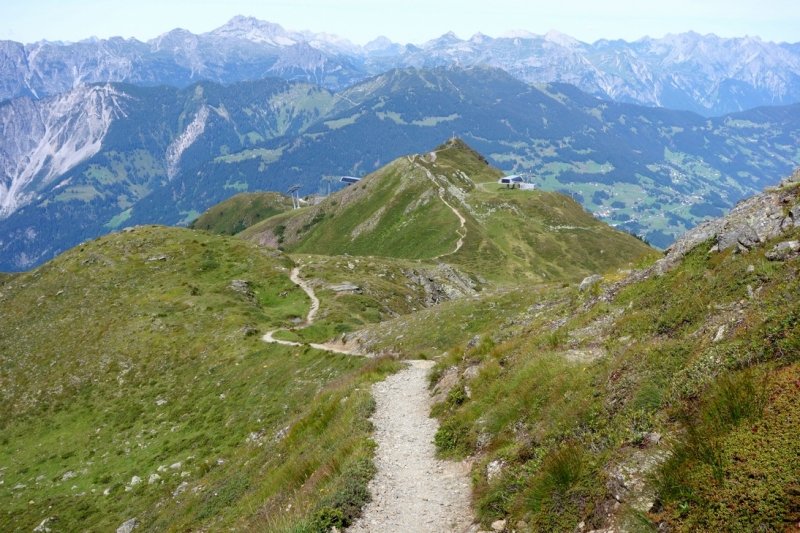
(383, 46)
(518, 34)
(563, 39)
(380, 41)
(479, 38)
(450, 36)
(240, 21)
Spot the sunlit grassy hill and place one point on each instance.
(648, 402)
(241, 211)
(406, 210)
(134, 384)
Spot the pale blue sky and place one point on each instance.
(413, 21)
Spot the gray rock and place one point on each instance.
(748, 237)
(42, 528)
(589, 282)
(441, 284)
(653, 437)
(783, 250)
(345, 286)
(499, 525)
(128, 526)
(240, 285)
(726, 240)
(180, 489)
(494, 469)
(752, 221)
(791, 180)
(473, 341)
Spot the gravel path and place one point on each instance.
(413, 492)
(312, 313)
(462, 230)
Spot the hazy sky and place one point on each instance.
(404, 21)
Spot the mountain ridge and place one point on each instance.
(703, 73)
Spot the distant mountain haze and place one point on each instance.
(705, 74)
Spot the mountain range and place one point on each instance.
(706, 74)
(103, 157)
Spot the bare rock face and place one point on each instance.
(441, 284)
(753, 221)
(42, 139)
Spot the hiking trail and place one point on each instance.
(412, 491)
(462, 230)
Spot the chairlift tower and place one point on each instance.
(327, 178)
(291, 192)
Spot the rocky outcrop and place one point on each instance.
(344, 286)
(441, 284)
(752, 222)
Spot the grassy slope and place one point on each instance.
(511, 235)
(567, 392)
(133, 352)
(241, 211)
(385, 291)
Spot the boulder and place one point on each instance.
(589, 282)
(494, 469)
(128, 526)
(499, 525)
(783, 250)
(345, 286)
(240, 285)
(42, 527)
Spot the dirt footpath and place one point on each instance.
(412, 491)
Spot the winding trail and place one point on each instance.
(312, 313)
(462, 230)
(412, 491)
(294, 275)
